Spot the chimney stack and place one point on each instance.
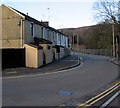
(45, 22)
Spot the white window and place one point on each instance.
(50, 32)
(32, 29)
(42, 32)
(53, 36)
(48, 35)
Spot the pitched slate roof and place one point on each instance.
(34, 45)
(41, 41)
(27, 17)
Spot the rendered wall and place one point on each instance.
(0, 24)
(11, 32)
(62, 52)
(1, 58)
(55, 54)
(67, 51)
(37, 30)
(40, 58)
(49, 56)
(27, 33)
(34, 56)
(31, 56)
(48, 53)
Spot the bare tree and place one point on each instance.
(107, 10)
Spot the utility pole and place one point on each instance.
(73, 40)
(117, 47)
(113, 34)
(77, 40)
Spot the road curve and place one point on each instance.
(76, 84)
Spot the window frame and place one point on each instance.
(42, 32)
(32, 29)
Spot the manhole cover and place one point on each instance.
(62, 92)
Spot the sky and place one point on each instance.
(59, 13)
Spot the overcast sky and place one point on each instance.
(59, 13)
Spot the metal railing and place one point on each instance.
(104, 52)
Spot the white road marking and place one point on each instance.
(110, 100)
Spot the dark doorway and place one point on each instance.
(12, 58)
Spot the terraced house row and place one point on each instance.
(27, 42)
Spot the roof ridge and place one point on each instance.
(32, 19)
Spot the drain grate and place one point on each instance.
(62, 92)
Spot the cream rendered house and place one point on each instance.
(27, 41)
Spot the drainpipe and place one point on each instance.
(22, 43)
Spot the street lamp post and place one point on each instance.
(117, 47)
(77, 41)
(73, 43)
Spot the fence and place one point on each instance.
(105, 52)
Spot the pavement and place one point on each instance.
(62, 64)
(117, 62)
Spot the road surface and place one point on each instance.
(69, 87)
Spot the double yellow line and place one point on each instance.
(100, 96)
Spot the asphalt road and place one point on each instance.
(115, 102)
(68, 87)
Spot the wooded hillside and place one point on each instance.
(92, 37)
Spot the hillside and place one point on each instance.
(90, 36)
(82, 31)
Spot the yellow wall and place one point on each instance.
(48, 53)
(11, 32)
(0, 26)
(44, 46)
(31, 56)
(34, 57)
(0, 12)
